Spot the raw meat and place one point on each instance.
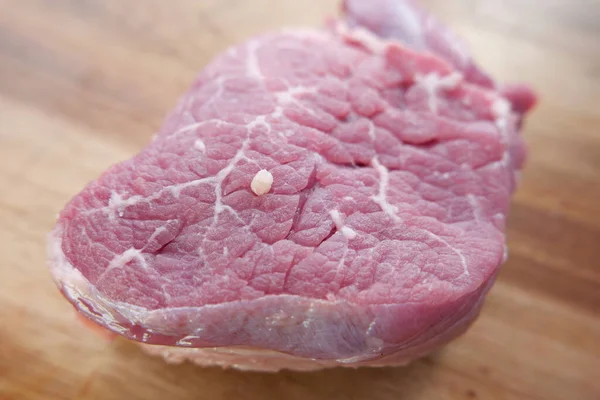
(405, 21)
(317, 198)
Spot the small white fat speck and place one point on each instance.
(199, 145)
(262, 182)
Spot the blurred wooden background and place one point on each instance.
(85, 83)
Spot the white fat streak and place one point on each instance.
(120, 260)
(186, 341)
(190, 127)
(196, 125)
(262, 182)
(371, 131)
(474, 203)
(157, 232)
(370, 328)
(166, 292)
(176, 189)
(285, 97)
(278, 113)
(450, 81)
(288, 97)
(366, 38)
(341, 263)
(127, 256)
(391, 210)
(381, 197)
(461, 257)
(501, 110)
(118, 203)
(348, 232)
(260, 120)
(369, 40)
(337, 218)
(433, 83)
(224, 173)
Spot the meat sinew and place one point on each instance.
(317, 198)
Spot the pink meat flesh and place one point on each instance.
(405, 21)
(379, 236)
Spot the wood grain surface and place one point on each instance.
(85, 83)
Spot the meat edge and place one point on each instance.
(327, 332)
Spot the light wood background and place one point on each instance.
(85, 83)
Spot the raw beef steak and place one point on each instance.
(317, 198)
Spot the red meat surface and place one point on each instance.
(392, 165)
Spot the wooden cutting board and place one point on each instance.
(85, 83)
